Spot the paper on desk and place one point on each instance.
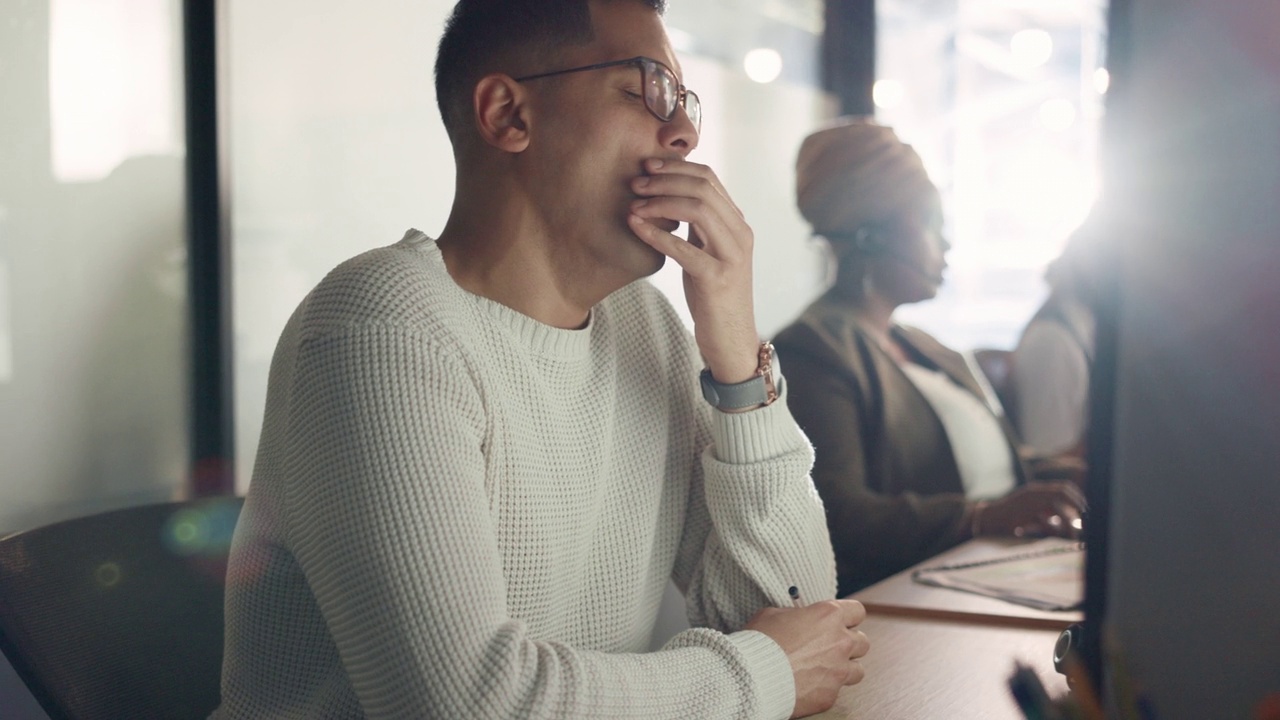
(1044, 578)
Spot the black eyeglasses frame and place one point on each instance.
(682, 92)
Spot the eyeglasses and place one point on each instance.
(662, 92)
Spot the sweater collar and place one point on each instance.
(540, 338)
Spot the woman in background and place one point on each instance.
(910, 458)
(1050, 367)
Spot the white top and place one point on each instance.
(1051, 380)
(979, 444)
(459, 512)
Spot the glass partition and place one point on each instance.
(93, 279)
(93, 285)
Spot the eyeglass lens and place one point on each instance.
(662, 94)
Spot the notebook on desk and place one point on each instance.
(1048, 575)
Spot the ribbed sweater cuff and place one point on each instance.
(757, 435)
(771, 674)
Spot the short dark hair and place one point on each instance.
(480, 33)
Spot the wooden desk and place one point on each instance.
(899, 595)
(921, 669)
(942, 654)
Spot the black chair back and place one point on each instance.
(120, 615)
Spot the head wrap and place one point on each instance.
(855, 173)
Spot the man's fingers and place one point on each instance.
(706, 186)
(861, 644)
(852, 613)
(676, 167)
(677, 184)
(855, 673)
(706, 224)
(693, 210)
(694, 261)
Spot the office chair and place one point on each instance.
(119, 615)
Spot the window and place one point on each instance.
(1003, 100)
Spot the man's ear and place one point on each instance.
(501, 112)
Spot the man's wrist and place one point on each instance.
(740, 369)
(758, 390)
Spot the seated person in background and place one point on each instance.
(1050, 366)
(485, 455)
(910, 459)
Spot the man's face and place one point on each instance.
(591, 136)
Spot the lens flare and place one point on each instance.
(763, 65)
(1031, 48)
(108, 574)
(888, 94)
(202, 530)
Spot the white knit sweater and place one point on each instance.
(459, 512)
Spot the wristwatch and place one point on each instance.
(754, 392)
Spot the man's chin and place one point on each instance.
(659, 260)
(649, 260)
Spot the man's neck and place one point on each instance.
(506, 255)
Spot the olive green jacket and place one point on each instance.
(884, 465)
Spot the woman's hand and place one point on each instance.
(1068, 466)
(1036, 509)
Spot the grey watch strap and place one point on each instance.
(752, 392)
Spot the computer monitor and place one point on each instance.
(1183, 575)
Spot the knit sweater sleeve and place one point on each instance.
(389, 520)
(756, 525)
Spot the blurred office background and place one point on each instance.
(335, 146)
(330, 144)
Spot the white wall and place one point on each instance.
(1194, 556)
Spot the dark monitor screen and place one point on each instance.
(1183, 576)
